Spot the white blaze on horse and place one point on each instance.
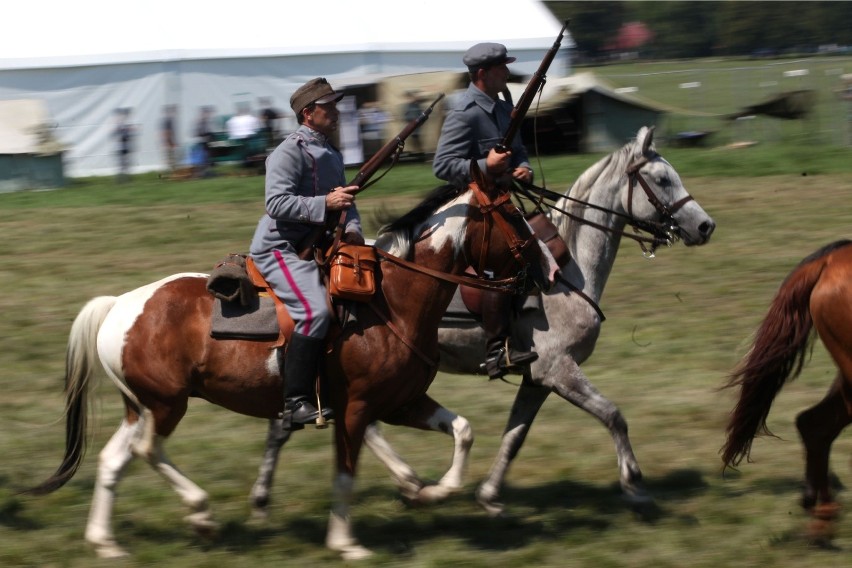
(155, 344)
(632, 186)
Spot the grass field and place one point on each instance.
(699, 93)
(676, 326)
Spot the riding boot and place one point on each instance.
(496, 320)
(300, 376)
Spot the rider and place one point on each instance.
(304, 181)
(470, 132)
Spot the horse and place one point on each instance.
(564, 328)
(815, 300)
(155, 344)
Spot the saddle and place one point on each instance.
(246, 307)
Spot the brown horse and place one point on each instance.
(154, 343)
(817, 295)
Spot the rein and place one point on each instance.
(664, 232)
(506, 285)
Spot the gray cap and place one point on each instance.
(314, 91)
(486, 55)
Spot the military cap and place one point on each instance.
(314, 91)
(486, 55)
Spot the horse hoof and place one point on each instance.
(202, 524)
(259, 516)
(355, 553)
(493, 509)
(430, 494)
(111, 550)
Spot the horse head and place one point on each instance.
(655, 193)
(501, 242)
(475, 226)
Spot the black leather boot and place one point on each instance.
(501, 359)
(300, 376)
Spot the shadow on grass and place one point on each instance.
(547, 512)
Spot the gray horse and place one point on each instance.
(591, 219)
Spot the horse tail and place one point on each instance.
(80, 364)
(776, 356)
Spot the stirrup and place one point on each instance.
(505, 360)
(301, 412)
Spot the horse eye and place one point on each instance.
(664, 182)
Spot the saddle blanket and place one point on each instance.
(256, 321)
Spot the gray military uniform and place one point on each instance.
(475, 126)
(300, 172)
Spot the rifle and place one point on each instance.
(391, 149)
(536, 82)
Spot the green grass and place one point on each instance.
(729, 85)
(676, 326)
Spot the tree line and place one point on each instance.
(703, 29)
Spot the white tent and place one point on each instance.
(87, 58)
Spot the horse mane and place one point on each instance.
(396, 234)
(827, 249)
(607, 171)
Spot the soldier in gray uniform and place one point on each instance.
(470, 132)
(304, 181)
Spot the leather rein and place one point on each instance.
(663, 232)
(506, 285)
(516, 246)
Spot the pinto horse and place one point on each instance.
(815, 297)
(591, 218)
(154, 343)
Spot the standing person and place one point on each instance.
(243, 124)
(269, 116)
(304, 181)
(202, 156)
(470, 133)
(411, 111)
(124, 134)
(168, 136)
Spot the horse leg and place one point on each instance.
(403, 475)
(425, 414)
(570, 383)
(349, 436)
(276, 437)
(527, 403)
(818, 427)
(112, 462)
(150, 447)
(575, 387)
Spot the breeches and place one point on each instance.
(299, 285)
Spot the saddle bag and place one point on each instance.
(546, 232)
(352, 272)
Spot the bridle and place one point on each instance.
(663, 232)
(634, 176)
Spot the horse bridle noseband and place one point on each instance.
(669, 223)
(634, 175)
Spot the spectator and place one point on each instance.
(243, 124)
(124, 133)
(168, 136)
(411, 111)
(269, 122)
(201, 156)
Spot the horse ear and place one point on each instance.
(648, 140)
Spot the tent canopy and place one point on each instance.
(98, 32)
(92, 57)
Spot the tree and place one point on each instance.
(593, 24)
